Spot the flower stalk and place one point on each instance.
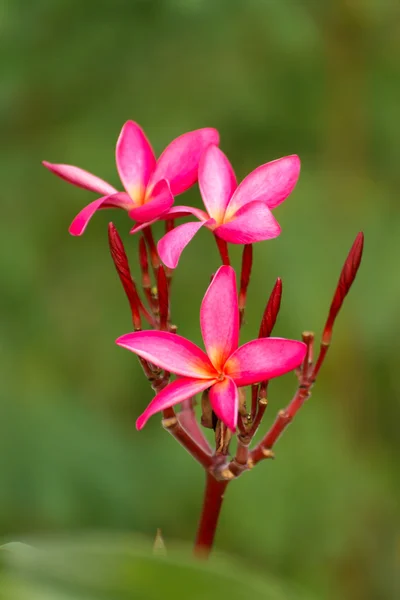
(247, 263)
(212, 504)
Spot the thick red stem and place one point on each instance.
(213, 498)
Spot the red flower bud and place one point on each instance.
(271, 310)
(121, 263)
(347, 276)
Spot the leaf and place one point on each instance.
(124, 568)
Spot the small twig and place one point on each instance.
(262, 406)
(154, 258)
(146, 280)
(308, 339)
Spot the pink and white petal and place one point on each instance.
(171, 246)
(253, 222)
(118, 200)
(159, 202)
(264, 359)
(217, 182)
(219, 317)
(169, 351)
(224, 399)
(270, 183)
(80, 178)
(179, 162)
(135, 160)
(175, 392)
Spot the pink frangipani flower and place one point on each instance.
(150, 184)
(224, 366)
(237, 214)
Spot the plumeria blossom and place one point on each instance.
(237, 214)
(224, 366)
(150, 184)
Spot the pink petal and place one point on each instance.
(219, 317)
(217, 182)
(159, 202)
(171, 246)
(264, 359)
(135, 160)
(224, 398)
(118, 200)
(174, 213)
(179, 162)
(254, 222)
(80, 178)
(271, 183)
(141, 226)
(183, 211)
(169, 351)
(175, 392)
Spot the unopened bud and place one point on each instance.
(121, 263)
(347, 276)
(247, 263)
(271, 310)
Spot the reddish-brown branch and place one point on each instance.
(321, 357)
(213, 498)
(240, 462)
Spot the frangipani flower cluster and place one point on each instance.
(238, 214)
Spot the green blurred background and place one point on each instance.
(316, 78)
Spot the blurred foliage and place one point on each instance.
(317, 78)
(122, 568)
